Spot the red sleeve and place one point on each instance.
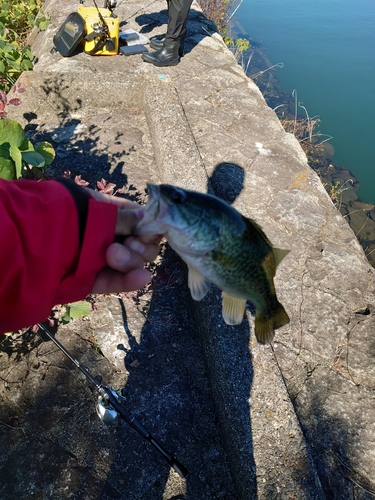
(42, 262)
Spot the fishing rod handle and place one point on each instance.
(141, 429)
(172, 461)
(145, 433)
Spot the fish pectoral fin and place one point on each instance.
(232, 309)
(198, 284)
(279, 254)
(265, 326)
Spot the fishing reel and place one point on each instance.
(99, 28)
(107, 414)
(110, 409)
(110, 4)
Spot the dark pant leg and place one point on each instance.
(178, 11)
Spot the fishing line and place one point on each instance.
(139, 10)
(61, 360)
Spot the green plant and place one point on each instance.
(17, 18)
(335, 192)
(18, 157)
(76, 310)
(238, 46)
(95, 344)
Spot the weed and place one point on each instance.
(18, 157)
(218, 12)
(6, 100)
(17, 18)
(238, 46)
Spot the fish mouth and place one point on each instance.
(153, 213)
(157, 205)
(153, 202)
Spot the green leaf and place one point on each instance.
(26, 65)
(47, 151)
(16, 156)
(12, 132)
(42, 23)
(27, 145)
(79, 309)
(65, 318)
(4, 150)
(7, 170)
(33, 158)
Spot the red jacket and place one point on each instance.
(53, 238)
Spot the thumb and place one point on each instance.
(127, 219)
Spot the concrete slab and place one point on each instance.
(291, 420)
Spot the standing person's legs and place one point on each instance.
(168, 53)
(178, 11)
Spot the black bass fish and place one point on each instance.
(220, 246)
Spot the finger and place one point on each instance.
(155, 238)
(110, 281)
(115, 200)
(148, 251)
(127, 220)
(121, 258)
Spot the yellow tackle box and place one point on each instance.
(102, 32)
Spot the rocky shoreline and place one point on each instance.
(340, 183)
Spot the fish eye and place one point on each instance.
(178, 196)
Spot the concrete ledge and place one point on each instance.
(172, 139)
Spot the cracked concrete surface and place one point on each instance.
(291, 420)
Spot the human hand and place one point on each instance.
(125, 271)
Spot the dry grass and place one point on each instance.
(217, 11)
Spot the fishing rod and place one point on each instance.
(109, 408)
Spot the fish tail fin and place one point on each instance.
(265, 326)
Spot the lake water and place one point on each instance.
(328, 51)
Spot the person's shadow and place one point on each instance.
(168, 379)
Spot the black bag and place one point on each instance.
(70, 34)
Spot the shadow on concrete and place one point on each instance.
(149, 22)
(203, 26)
(93, 147)
(332, 442)
(167, 390)
(228, 357)
(47, 422)
(165, 374)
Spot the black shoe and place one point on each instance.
(156, 43)
(167, 55)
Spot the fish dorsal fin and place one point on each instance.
(232, 309)
(279, 254)
(198, 284)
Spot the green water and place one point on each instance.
(328, 51)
